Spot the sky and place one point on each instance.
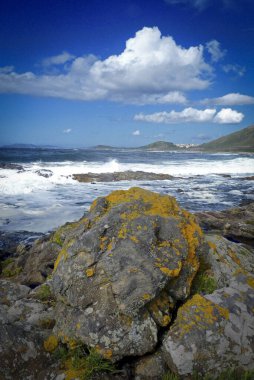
(77, 73)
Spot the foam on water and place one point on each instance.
(29, 201)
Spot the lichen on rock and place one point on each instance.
(122, 269)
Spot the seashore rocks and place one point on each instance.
(236, 223)
(121, 176)
(137, 281)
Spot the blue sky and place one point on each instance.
(125, 73)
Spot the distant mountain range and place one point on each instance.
(241, 141)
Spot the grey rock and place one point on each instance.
(117, 281)
(214, 332)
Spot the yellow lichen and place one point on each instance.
(212, 245)
(90, 272)
(199, 311)
(250, 281)
(146, 296)
(51, 343)
(170, 272)
(134, 239)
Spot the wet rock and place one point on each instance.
(5, 165)
(236, 223)
(214, 332)
(44, 173)
(121, 176)
(121, 271)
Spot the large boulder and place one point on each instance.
(214, 332)
(122, 270)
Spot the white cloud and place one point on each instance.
(232, 99)
(228, 116)
(215, 50)
(151, 69)
(235, 69)
(68, 130)
(199, 4)
(58, 59)
(188, 115)
(185, 116)
(136, 133)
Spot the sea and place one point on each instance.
(43, 195)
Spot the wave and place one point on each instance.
(32, 179)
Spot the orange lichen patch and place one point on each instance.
(160, 309)
(134, 239)
(71, 373)
(90, 272)
(233, 256)
(165, 244)
(103, 244)
(122, 233)
(199, 312)
(146, 297)
(78, 326)
(156, 204)
(63, 254)
(51, 343)
(170, 272)
(212, 245)
(107, 353)
(165, 320)
(250, 281)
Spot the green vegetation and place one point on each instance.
(11, 271)
(204, 284)
(78, 363)
(43, 293)
(160, 145)
(241, 141)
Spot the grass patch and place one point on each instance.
(204, 284)
(11, 272)
(78, 363)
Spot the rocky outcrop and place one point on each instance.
(213, 332)
(121, 176)
(236, 223)
(5, 165)
(136, 281)
(134, 257)
(25, 323)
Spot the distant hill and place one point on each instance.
(241, 141)
(104, 147)
(159, 145)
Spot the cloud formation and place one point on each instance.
(68, 130)
(188, 115)
(232, 99)
(214, 48)
(136, 133)
(151, 69)
(59, 59)
(235, 69)
(228, 116)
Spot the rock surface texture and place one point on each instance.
(134, 257)
(121, 176)
(136, 281)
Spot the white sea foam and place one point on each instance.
(28, 181)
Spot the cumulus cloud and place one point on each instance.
(232, 99)
(68, 130)
(225, 116)
(235, 69)
(214, 48)
(136, 133)
(59, 59)
(187, 115)
(151, 69)
(228, 116)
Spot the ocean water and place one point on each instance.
(31, 202)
